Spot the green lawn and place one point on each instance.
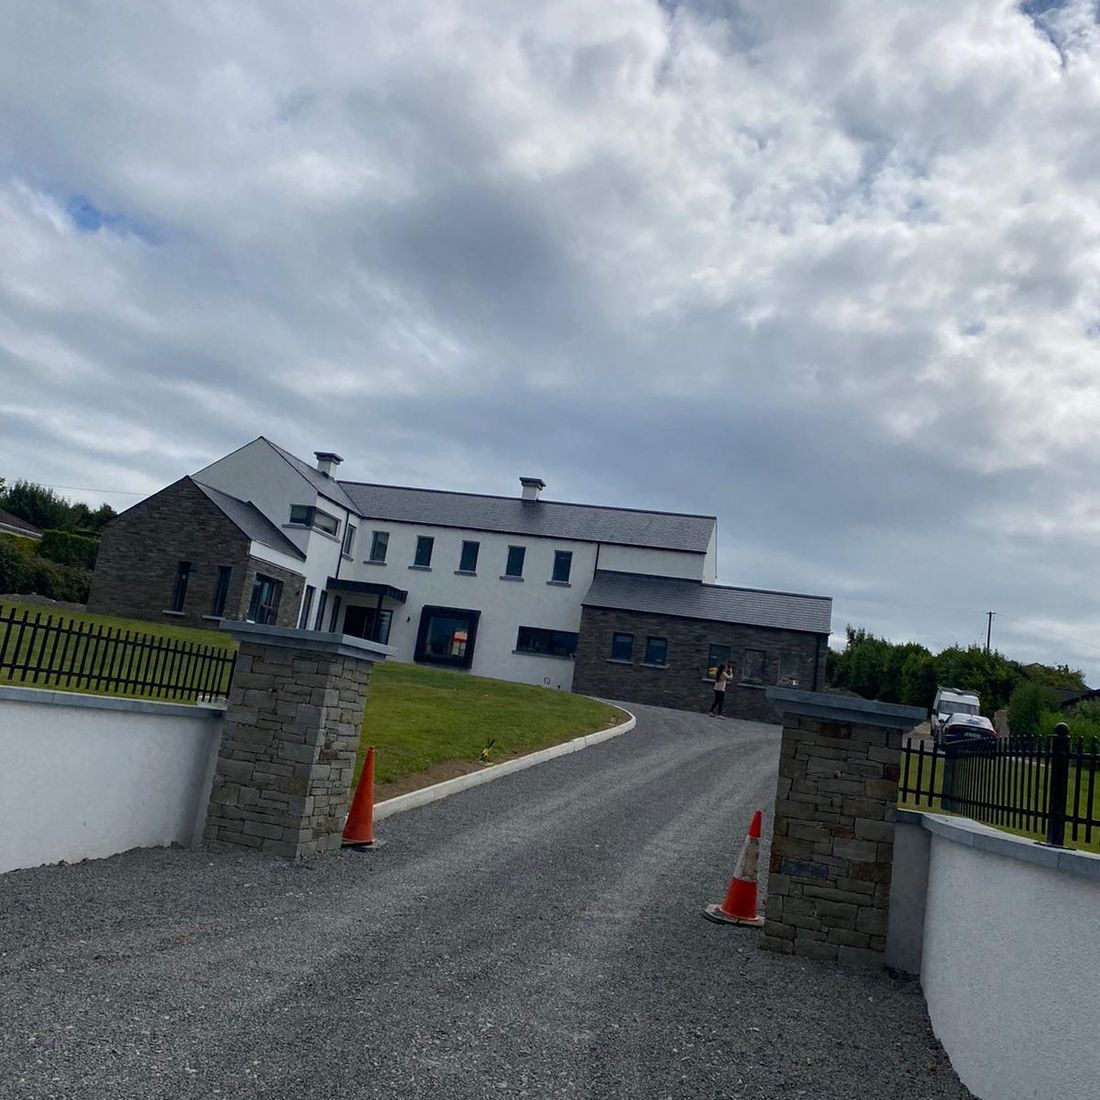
(419, 717)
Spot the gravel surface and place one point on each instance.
(535, 937)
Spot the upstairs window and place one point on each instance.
(379, 542)
(789, 668)
(424, 545)
(221, 591)
(656, 651)
(179, 589)
(348, 547)
(622, 647)
(563, 563)
(717, 655)
(516, 554)
(755, 660)
(307, 516)
(467, 562)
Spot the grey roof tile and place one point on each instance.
(713, 602)
(549, 519)
(251, 521)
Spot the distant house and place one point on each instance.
(520, 588)
(13, 525)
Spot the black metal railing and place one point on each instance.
(1025, 784)
(39, 651)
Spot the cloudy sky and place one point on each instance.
(825, 268)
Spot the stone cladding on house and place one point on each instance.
(291, 733)
(833, 837)
(682, 682)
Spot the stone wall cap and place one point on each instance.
(51, 697)
(844, 708)
(318, 641)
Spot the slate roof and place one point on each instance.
(21, 525)
(326, 486)
(251, 521)
(546, 518)
(713, 602)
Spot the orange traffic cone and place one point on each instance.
(359, 830)
(740, 904)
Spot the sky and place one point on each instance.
(829, 271)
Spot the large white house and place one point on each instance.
(495, 585)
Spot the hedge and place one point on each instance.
(66, 548)
(23, 572)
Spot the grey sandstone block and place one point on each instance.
(265, 829)
(848, 938)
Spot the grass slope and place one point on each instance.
(417, 718)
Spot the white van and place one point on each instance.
(950, 701)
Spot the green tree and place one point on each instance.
(37, 504)
(1029, 701)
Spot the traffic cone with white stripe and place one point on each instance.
(740, 904)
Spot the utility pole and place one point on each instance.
(989, 628)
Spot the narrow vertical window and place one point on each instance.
(179, 589)
(516, 554)
(319, 622)
(379, 542)
(467, 563)
(221, 591)
(307, 605)
(423, 558)
(335, 620)
(348, 548)
(563, 563)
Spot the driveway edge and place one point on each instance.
(448, 787)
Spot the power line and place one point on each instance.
(86, 488)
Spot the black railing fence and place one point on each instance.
(1021, 783)
(37, 651)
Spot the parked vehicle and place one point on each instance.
(961, 728)
(950, 701)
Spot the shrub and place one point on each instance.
(1028, 703)
(22, 571)
(15, 566)
(68, 549)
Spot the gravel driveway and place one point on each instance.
(536, 937)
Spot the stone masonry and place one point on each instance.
(287, 756)
(833, 842)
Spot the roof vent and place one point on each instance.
(327, 462)
(532, 486)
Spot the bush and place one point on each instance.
(1028, 703)
(68, 549)
(1084, 727)
(15, 566)
(22, 572)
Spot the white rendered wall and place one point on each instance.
(654, 563)
(82, 777)
(1008, 965)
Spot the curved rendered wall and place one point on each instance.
(1009, 963)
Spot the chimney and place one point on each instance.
(532, 486)
(327, 462)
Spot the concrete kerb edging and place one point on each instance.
(448, 787)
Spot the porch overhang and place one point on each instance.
(367, 588)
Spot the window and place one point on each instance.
(348, 547)
(179, 589)
(263, 605)
(656, 651)
(319, 622)
(563, 562)
(332, 623)
(717, 655)
(221, 591)
(424, 545)
(379, 541)
(446, 636)
(467, 562)
(754, 666)
(550, 643)
(516, 554)
(314, 517)
(307, 606)
(622, 647)
(789, 668)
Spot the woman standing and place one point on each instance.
(722, 676)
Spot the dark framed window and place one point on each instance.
(447, 636)
(622, 647)
(319, 622)
(467, 562)
(335, 620)
(221, 590)
(656, 651)
(179, 588)
(717, 655)
(424, 546)
(551, 643)
(563, 563)
(263, 605)
(790, 668)
(348, 546)
(379, 543)
(308, 516)
(307, 606)
(514, 567)
(753, 671)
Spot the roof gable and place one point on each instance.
(249, 520)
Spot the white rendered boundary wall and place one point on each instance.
(1003, 941)
(87, 776)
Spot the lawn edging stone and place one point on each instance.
(436, 791)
